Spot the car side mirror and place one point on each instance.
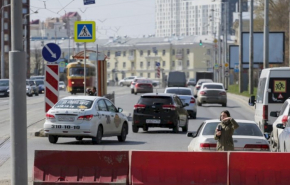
(191, 134)
(252, 101)
(274, 114)
(195, 96)
(280, 125)
(267, 136)
(120, 109)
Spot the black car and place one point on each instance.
(160, 110)
(40, 84)
(4, 87)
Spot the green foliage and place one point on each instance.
(234, 89)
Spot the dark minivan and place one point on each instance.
(160, 110)
(176, 79)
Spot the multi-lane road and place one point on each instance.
(155, 139)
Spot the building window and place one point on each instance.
(108, 54)
(141, 52)
(116, 64)
(132, 65)
(108, 65)
(124, 64)
(148, 52)
(141, 74)
(187, 74)
(6, 37)
(5, 14)
(180, 63)
(24, 1)
(148, 75)
(141, 64)
(24, 10)
(148, 64)
(173, 63)
(5, 26)
(187, 51)
(163, 63)
(187, 63)
(163, 52)
(173, 52)
(124, 53)
(6, 2)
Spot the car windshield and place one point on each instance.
(245, 129)
(27, 83)
(74, 104)
(144, 81)
(179, 91)
(213, 87)
(40, 82)
(4, 83)
(61, 83)
(152, 100)
(192, 79)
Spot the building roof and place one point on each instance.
(35, 21)
(70, 14)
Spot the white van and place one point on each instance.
(273, 90)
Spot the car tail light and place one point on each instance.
(285, 119)
(86, 117)
(170, 107)
(253, 147)
(49, 116)
(136, 85)
(192, 100)
(207, 146)
(265, 112)
(223, 93)
(139, 106)
(202, 93)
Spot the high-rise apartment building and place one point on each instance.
(7, 33)
(194, 17)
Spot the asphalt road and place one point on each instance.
(155, 139)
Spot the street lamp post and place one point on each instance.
(25, 43)
(2, 42)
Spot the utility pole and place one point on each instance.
(266, 35)
(251, 52)
(18, 117)
(240, 47)
(289, 35)
(219, 54)
(226, 43)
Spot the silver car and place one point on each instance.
(212, 93)
(198, 85)
(248, 137)
(186, 96)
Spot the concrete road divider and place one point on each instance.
(81, 167)
(246, 168)
(179, 168)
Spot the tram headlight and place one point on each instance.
(72, 82)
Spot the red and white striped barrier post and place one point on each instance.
(51, 85)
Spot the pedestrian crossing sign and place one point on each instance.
(85, 31)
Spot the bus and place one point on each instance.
(75, 77)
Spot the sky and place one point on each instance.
(133, 18)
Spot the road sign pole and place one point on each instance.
(85, 62)
(97, 70)
(240, 48)
(18, 114)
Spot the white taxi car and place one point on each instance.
(85, 117)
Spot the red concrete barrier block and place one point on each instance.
(180, 168)
(259, 168)
(81, 167)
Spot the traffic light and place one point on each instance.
(200, 42)
(66, 62)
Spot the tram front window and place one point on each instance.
(77, 71)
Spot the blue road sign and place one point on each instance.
(236, 68)
(87, 2)
(85, 31)
(157, 64)
(51, 52)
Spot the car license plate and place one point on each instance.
(1, 94)
(65, 127)
(153, 121)
(65, 118)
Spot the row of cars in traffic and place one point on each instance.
(34, 86)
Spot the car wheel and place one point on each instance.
(78, 138)
(145, 128)
(128, 85)
(176, 127)
(199, 104)
(224, 104)
(121, 84)
(135, 128)
(273, 146)
(98, 138)
(124, 132)
(132, 91)
(185, 128)
(193, 115)
(52, 139)
(36, 94)
(285, 150)
(135, 93)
